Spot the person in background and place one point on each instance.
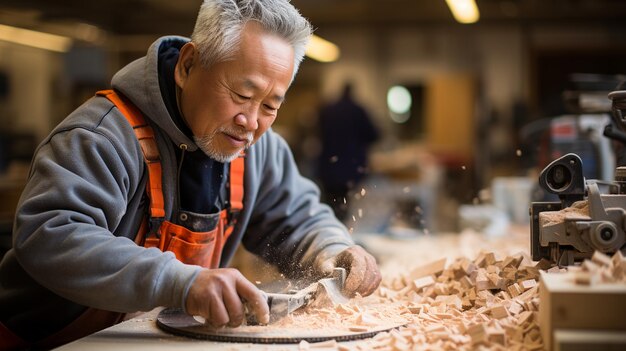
(139, 198)
(347, 133)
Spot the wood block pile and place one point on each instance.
(600, 269)
(485, 303)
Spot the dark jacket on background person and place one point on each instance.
(346, 133)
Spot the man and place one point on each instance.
(183, 126)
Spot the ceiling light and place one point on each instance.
(399, 99)
(322, 50)
(464, 11)
(399, 102)
(35, 39)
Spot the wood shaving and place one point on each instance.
(578, 210)
(465, 305)
(467, 300)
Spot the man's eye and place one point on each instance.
(270, 108)
(242, 97)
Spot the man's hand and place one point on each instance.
(363, 276)
(219, 295)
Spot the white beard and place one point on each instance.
(206, 144)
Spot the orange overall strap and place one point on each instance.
(236, 183)
(147, 141)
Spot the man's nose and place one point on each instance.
(248, 119)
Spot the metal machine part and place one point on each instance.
(582, 134)
(325, 290)
(576, 237)
(617, 130)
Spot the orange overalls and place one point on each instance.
(199, 248)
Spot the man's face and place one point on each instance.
(229, 106)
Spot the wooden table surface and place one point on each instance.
(395, 256)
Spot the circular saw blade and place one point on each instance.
(175, 321)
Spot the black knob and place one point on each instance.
(606, 234)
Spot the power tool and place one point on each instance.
(591, 214)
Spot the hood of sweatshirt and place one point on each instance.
(139, 81)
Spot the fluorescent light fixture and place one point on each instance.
(35, 39)
(464, 11)
(322, 50)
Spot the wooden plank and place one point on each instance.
(601, 259)
(432, 268)
(423, 282)
(580, 339)
(565, 304)
(499, 312)
(528, 284)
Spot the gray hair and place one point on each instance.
(217, 32)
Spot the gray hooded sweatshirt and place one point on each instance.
(85, 198)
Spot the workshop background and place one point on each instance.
(468, 114)
(481, 94)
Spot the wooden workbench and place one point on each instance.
(141, 333)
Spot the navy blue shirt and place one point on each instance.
(202, 180)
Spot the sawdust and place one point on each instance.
(578, 210)
(359, 315)
(483, 303)
(457, 303)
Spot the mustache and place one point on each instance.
(207, 140)
(239, 134)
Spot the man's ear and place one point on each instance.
(186, 60)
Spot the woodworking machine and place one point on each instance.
(590, 214)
